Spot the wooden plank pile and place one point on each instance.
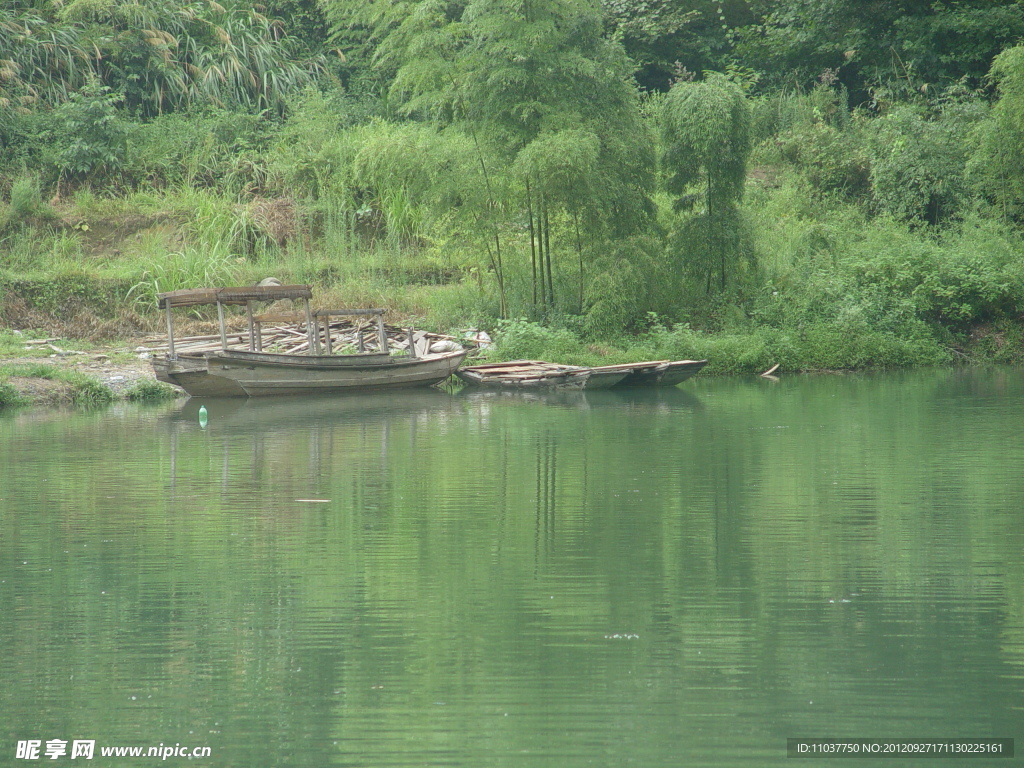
(526, 374)
(280, 334)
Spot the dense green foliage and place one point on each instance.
(843, 190)
(159, 56)
(707, 143)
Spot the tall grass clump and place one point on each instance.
(88, 392)
(220, 245)
(148, 391)
(28, 249)
(9, 396)
(26, 204)
(190, 267)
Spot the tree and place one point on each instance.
(548, 103)
(997, 167)
(923, 44)
(661, 36)
(707, 141)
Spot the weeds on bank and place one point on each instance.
(754, 350)
(9, 396)
(83, 391)
(150, 392)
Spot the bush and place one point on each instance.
(918, 163)
(526, 340)
(27, 203)
(9, 396)
(815, 133)
(204, 147)
(950, 282)
(94, 134)
(150, 391)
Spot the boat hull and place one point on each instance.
(189, 372)
(680, 371)
(254, 374)
(656, 373)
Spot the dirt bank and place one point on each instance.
(117, 368)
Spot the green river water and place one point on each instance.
(649, 578)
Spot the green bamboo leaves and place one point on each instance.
(996, 167)
(544, 99)
(161, 56)
(706, 132)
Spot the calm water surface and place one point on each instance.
(669, 578)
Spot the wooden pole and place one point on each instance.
(170, 333)
(382, 334)
(252, 335)
(314, 335)
(412, 344)
(223, 328)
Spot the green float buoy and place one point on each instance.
(202, 416)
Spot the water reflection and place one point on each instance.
(663, 578)
(298, 440)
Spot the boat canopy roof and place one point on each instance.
(193, 297)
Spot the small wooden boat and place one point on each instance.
(253, 372)
(526, 374)
(655, 373)
(521, 374)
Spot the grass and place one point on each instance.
(10, 396)
(79, 390)
(150, 392)
(13, 344)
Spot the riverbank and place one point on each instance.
(59, 372)
(56, 372)
(36, 369)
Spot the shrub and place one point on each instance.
(9, 396)
(918, 162)
(150, 391)
(204, 147)
(27, 200)
(94, 133)
(526, 340)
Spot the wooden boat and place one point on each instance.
(526, 374)
(655, 373)
(253, 372)
(521, 374)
